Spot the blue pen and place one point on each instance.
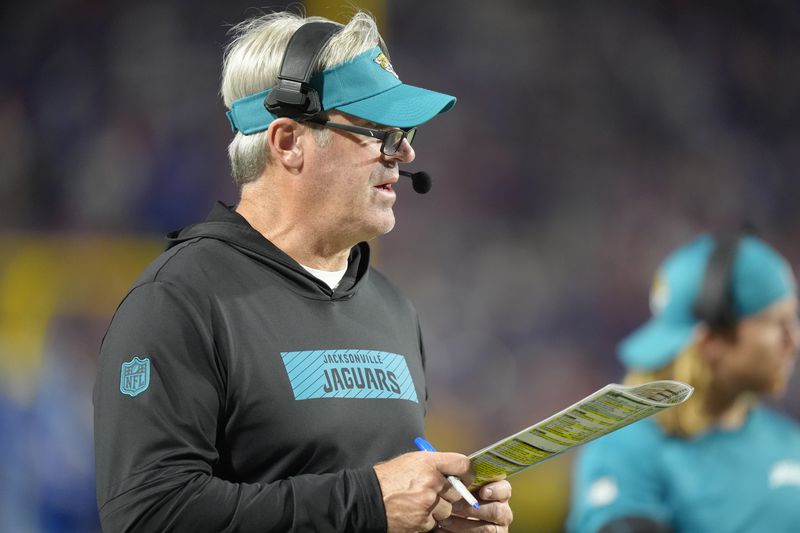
(425, 446)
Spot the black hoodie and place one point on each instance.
(236, 392)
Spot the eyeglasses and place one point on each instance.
(392, 139)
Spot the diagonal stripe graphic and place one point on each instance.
(306, 371)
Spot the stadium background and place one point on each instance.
(589, 139)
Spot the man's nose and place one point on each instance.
(404, 154)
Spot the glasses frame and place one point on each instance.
(383, 135)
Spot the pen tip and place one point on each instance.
(476, 506)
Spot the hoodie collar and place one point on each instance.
(225, 224)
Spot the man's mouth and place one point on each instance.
(385, 187)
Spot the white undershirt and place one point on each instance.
(331, 279)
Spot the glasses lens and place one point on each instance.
(410, 134)
(392, 142)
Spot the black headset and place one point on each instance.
(292, 96)
(714, 304)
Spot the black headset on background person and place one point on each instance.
(293, 96)
(714, 304)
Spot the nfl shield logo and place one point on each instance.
(134, 376)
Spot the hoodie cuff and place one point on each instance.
(371, 515)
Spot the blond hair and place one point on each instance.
(692, 417)
(251, 64)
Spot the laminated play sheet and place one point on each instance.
(606, 410)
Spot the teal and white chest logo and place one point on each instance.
(134, 376)
(349, 373)
(784, 473)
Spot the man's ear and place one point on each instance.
(285, 146)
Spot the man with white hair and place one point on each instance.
(259, 375)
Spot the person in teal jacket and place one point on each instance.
(725, 321)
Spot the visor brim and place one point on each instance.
(402, 106)
(654, 344)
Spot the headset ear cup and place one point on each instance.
(309, 107)
(291, 102)
(292, 96)
(273, 104)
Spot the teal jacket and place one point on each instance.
(746, 480)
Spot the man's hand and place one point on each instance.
(494, 516)
(416, 493)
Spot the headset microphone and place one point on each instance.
(420, 181)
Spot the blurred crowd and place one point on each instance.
(589, 139)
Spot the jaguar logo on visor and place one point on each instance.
(383, 62)
(659, 295)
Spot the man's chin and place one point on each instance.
(387, 227)
(384, 226)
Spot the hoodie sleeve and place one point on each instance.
(159, 399)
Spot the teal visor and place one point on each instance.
(365, 87)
